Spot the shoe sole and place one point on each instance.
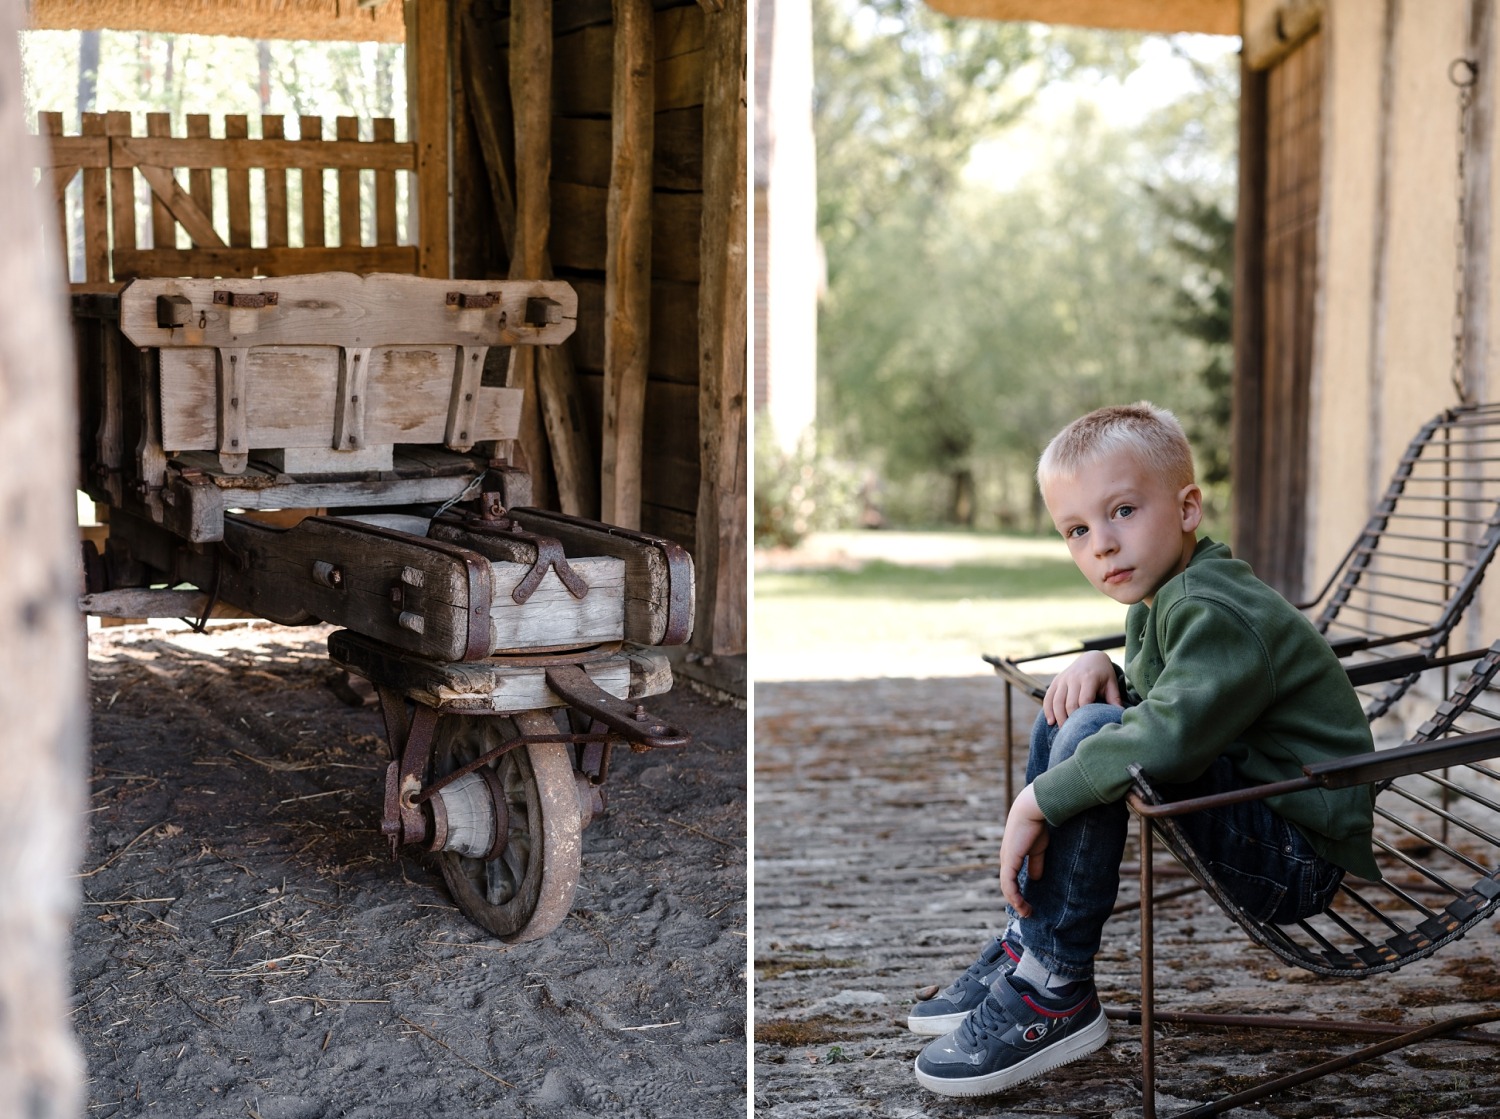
(935, 1025)
(1088, 1040)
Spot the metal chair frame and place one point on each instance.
(1437, 838)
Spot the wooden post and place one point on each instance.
(627, 268)
(720, 551)
(43, 706)
(531, 100)
(427, 81)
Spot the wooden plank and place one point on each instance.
(674, 329)
(461, 431)
(551, 618)
(95, 210)
(44, 698)
(579, 239)
(200, 178)
(486, 77)
(274, 128)
(627, 276)
(163, 225)
(246, 155)
(296, 391)
(266, 262)
(310, 132)
(121, 184)
(232, 374)
(183, 207)
(340, 308)
(585, 65)
(347, 128)
(581, 150)
(237, 127)
(427, 83)
(720, 551)
(88, 150)
(351, 400)
(55, 180)
(385, 186)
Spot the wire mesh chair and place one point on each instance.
(1437, 841)
(1394, 599)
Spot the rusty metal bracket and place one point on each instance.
(403, 820)
(549, 553)
(630, 720)
(254, 299)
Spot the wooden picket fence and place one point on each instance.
(230, 205)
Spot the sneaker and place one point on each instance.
(1015, 1034)
(946, 1011)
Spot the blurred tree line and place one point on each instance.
(1002, 259)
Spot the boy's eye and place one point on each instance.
(1125, 510)
(1075, 532)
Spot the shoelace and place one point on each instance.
(987, 1018)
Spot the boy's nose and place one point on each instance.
(1105, 544)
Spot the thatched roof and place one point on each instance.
(1215, 17)
(379, 20)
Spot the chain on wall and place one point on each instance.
(1463, 73)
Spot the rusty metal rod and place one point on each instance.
(1338, 1064)
(1132, 1017)
(1148, 980)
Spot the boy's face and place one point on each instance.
(1128, 530)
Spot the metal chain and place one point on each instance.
(1463, 73)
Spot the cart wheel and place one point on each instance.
(525, 891)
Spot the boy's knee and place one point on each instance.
(1083, 723)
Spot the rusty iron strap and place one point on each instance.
(631, 721)
(549, 553)
(484, 759)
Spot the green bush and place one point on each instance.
(800, 491)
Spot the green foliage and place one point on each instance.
(798, 492)
(976, 306)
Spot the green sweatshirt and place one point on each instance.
(1222, 664)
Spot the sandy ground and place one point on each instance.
(247, 947)
(878, 809)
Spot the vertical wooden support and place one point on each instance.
(234, 434)
(51, 124)
(121, 186)
(95, 211)
(237, 179)
(349, 231)
(385, 187)
(427, 80)
(720, 554)
(163, 227)
(531, 99)
(200, 179)
(463, 401)
(274, 128)
(627, 269)
(310, 131)
(43, 704)
(349, 409)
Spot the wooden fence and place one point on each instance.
(230, 206)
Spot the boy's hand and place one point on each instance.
(1025, 841)
(1089, 679)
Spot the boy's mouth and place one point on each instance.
(1117, 575)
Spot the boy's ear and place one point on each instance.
(1191, 498)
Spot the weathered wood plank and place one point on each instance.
(461, 430)
(674, 329)
(296, 389)
(347, 128)
(237, 181)
(310, 136)
(200, 179)
(340, 308)
(551, 618)
(274, 128)
(427, 83)
(579, 237)
(182, 206)
(294, 261)
(720, 549)
(121, 184)
(163, 224)
(350, 402)
(203, 152)
(581, 150)
(627, 282)
(585, 65)
(55, 178)
(95, 210)
(385, 186)
(44, 700)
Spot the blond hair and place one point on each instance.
(1151, 434)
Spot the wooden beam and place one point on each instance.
(44, 700)
(531, 101)
(720, 551)
(427, 78)
(627, 275)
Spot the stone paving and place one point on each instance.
(878, 809)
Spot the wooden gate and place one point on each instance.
(199, 205)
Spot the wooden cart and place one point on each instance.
(509, 645)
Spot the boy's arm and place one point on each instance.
(1216, 682)
(1025, 841)
(1092, 678)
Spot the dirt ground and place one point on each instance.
(247, 947)
(878, 808)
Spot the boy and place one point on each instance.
(1225, 685)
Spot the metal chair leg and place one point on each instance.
(1148, 979)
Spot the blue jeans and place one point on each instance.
(1260, 859)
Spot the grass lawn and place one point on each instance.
(917, 604)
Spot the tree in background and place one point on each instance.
(974, 307)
